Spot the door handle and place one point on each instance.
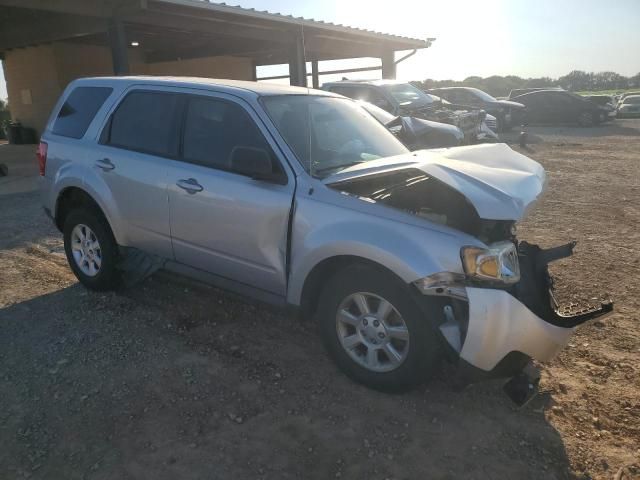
(191, 185)
(105, 165)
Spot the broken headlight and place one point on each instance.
(498, 262)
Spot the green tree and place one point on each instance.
(577, 80)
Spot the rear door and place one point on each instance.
(539, 107)
(565, 108)
(223, 222)
(136, 144)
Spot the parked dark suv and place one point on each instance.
(559, 106)
(507, 113)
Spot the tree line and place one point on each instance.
(574, 81)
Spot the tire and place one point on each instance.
(420, 352)
(106, 276)
(586, 119)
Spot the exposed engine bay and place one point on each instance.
(420, 194)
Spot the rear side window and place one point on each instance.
(78, 111)
(146, 122)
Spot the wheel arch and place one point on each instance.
(324, 270)
(72, 197)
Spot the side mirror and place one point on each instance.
(255, 163)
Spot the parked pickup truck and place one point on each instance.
(302, 198)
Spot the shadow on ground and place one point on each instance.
(172, 380)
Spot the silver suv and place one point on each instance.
(301, 198)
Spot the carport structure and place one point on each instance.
(67, 39)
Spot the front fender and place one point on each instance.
(322, 231)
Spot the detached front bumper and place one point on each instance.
(500, 324)
(498, 330)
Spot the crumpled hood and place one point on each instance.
(500, 183)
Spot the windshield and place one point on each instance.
(635, 100)
(483, 95)
(439, 99)
(381, 115)
(328, 134)
(408, 95)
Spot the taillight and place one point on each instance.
(41, 153)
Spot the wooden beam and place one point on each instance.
(389, 65)
(208, 24)
(297, 63)
(315, 78)
(89, 8)
(50, 28)
(118, 45)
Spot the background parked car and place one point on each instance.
(601, 99)
(516, 92)
(559, 106)
(488, 129)
(507, 113)
(417, 133)
(629, 106)
(403, 99)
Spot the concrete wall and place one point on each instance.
(236, 68)
(32, 84)
(36, 76)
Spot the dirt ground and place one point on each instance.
(169, 379)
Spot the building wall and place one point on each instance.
(32, 84)
(36, 76)
(236, 68)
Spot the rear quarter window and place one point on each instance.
(78, 111)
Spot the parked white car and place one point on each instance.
(629, 106)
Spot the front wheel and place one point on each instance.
(374, 330)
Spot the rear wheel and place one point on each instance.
(91, 249)
(374, 331)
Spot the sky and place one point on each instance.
(528, 38)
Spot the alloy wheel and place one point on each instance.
(372, 332)
(86, 250)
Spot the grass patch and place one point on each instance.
(609, 92)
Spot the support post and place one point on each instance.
(315, 77)
(297, 64)
(389, 65)
(118, 44)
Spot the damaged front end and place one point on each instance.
(496, 330)
(499, 311)
(535, 288)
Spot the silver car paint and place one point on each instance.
(500, 183)
(326, 222)
(500, 324)
(235, 227)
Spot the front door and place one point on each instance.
(223, 222)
